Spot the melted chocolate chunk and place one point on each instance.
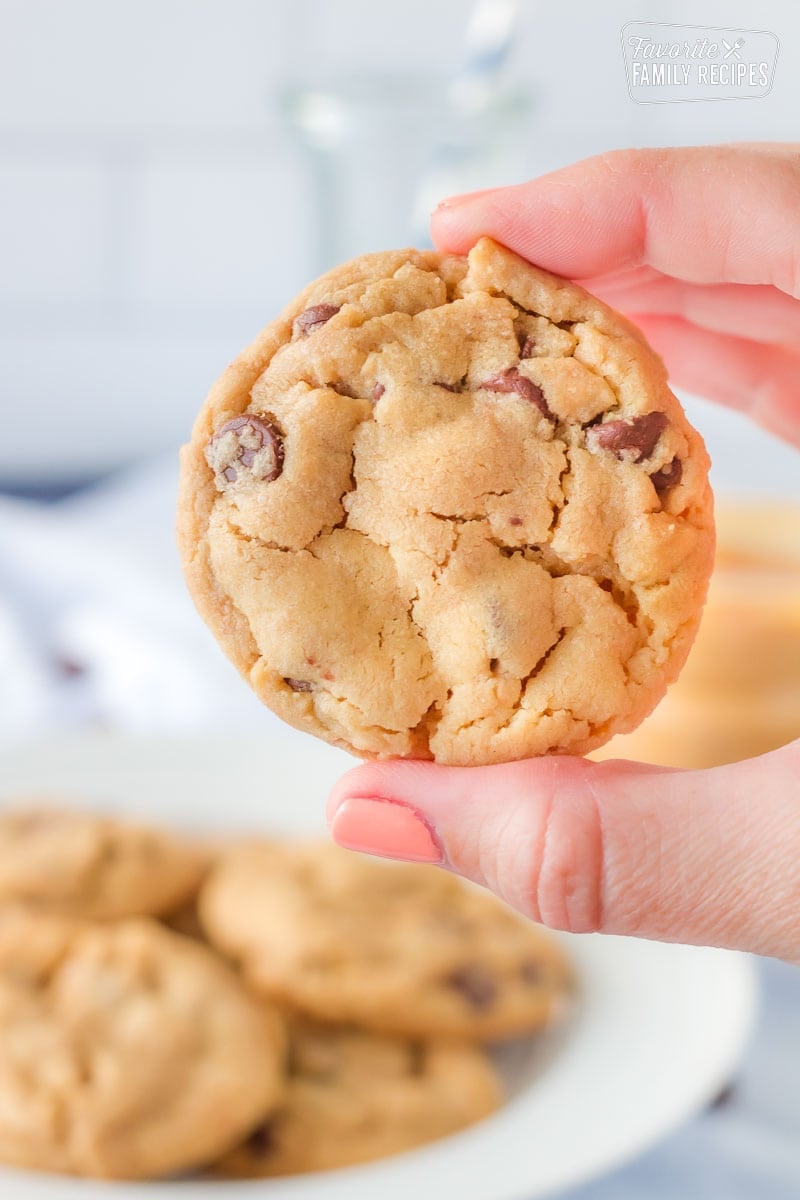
(476, 985)
(299, 685)
(512, 380)
(247, 446)
(668, 476)
(377, 392)
(313, 318)
(342, 389)
(637, 436)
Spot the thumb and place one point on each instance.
(705, 857)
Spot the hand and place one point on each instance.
(701, 247)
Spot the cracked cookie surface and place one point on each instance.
(449, 508)
(126, 1051)
(354, 1096)
(399, 949)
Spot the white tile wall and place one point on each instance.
(153, 213)
(217, 234)
(137, 65)
(54, 236)
(80, 401)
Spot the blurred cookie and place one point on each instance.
(449, 507)
(353, 1096)
(126, 1052)
(759, 534)
(739, 694)
(697, 731)
(186, 921)
(396, 948)
(93, 866)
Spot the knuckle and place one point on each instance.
(571, 872)
(563, 882)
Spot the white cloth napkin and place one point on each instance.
(95, 621)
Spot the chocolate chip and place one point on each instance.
(667, 477)
(313, 318)
(247, 446)
(494, 663)
(299, 685)
(531, 972)
(262, 1139)
(636, 437)
(527, 348)
(377, 392)
(512, 380)
(343, 389)
(515, 520)
(476, 985)
(417, 1058)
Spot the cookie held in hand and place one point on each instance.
(448, 507)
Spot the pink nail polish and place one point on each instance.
(385, 828)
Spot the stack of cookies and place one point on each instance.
(260, 1009)
(739, 694)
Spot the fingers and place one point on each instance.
(701, 857)
(759, 313)
(718, 214)
(760, 380)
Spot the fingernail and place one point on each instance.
(385, 828)
(457, 201)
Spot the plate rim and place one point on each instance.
(726, 973)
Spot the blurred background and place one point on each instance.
(161, 197)
(171, 172)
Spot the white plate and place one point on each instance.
(657, 1031)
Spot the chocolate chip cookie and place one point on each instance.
(448, 507)
(126, 1051)
(93, 866)
(353, 1096)
(395, 948)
